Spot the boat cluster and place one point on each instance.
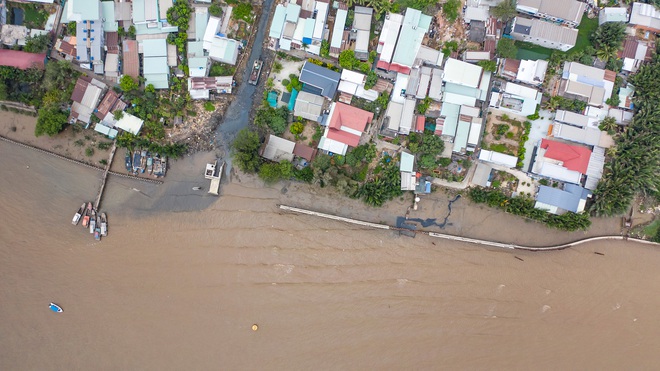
(141, 161)
(96, 222)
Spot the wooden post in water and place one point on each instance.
(105, 175)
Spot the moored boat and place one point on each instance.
(87, 214)
(158, 166)
(104, 225)
(92, 222)
(143, 161)
(163, 162)
(150, 164)
(97, 234)
(129, 165)
(136, 161)
(55, 308)
(76, 218)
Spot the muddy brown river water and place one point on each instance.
(172, 288)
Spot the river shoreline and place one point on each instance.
(186, 285)
(177, 195)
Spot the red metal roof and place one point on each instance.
(304, 151)
(575, 158)
(349, 117)
(131, 65)
(419, 126)
(21, 60)
(107, 103)
(629, 48)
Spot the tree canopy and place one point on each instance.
(609, 34)
(635, 166)
(51, 120)
(179, 15)
(504, 10)
(450, 9)
(506, 48)
(273, 118)
(246, 151)
(128, 84)
(36, 44)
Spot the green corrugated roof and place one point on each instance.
(109, 22)
(201, 19)
(451, 112)
(196, 48)
(461, 90)
(462, 133)
(89, 10)
(278, 22)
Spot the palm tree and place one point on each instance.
(606, 52)
(553, 103)
(609, 125)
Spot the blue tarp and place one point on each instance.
(292, 100)
(272, 99)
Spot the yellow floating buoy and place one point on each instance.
(255, 327)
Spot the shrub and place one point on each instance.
(209, 106)
(89, 152)
(444, 161)
(502, 129)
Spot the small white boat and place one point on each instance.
(92, 222)
(55, 308)
(104, 225)
(76, 218)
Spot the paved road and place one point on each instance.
(237, 115)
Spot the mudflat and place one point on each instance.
(183, 276)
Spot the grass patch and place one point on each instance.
(221, 69)
(499, 147)
(532, 52)
(586, 28)
(652, 229)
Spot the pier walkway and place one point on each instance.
(46, 152)
(466, 239)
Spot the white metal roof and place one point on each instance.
(462, 73)
(130, 123)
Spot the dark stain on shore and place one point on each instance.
(404, 222)
(237, 116)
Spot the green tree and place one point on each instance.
(3, 90)
(371, 80)
(325, 49)
(179, 15)
(506, 48)
(347, 59)
(609, 34)
(36, 44)
(606, 52)
(128, 84)
(273, 172)
(131, 32)
(450, 10)
(51, 120)
(297, 128)
(489, 66)
(71, 28)
(505, 10)
(246, 151)
(609, 125)
(215, 10)
(118, 114)
(242, 11)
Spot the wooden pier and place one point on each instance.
(104, 178)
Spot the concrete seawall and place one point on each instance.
(468, 239)
(128, 176)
